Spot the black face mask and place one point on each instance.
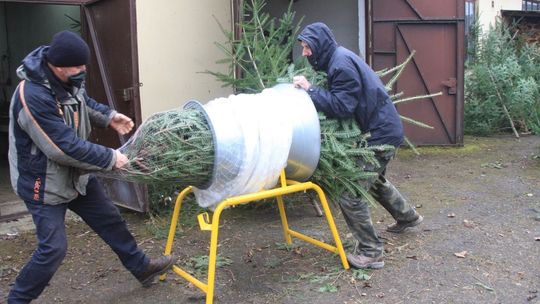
(77, 79)
(313, 61)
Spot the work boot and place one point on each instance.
(399, 227)
(155, 267)
(365, 262)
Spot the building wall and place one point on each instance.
(175, 44)
(342, 17)
(490, 10)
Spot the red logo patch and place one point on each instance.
(37, 186)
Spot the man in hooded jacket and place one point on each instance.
(355, 91)
(50, 157)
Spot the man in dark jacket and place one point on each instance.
(50, 157)
(355, 91)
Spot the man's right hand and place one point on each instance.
(121, 160)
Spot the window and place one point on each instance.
(530, 5)
(470, 31)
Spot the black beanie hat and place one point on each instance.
(68, 49)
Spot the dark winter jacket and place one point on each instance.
(48, 150)
(355, 91)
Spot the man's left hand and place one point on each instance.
(301, 82)
(121, 123)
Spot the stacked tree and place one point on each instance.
(502, 85)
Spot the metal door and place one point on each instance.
(435, 30)
(110, 29)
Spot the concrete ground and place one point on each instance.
(479, 243)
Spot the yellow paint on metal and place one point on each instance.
(284, 222)
(204, 221)
(179, 271)
(286, 187)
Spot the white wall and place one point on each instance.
(175, 44)
(490, 10)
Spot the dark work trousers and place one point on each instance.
(98, 211)
(356, 209)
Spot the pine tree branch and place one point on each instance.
(395, 96)
(408, 99)
(415, 122)
(411, 145)
(502, 103)
(258, 20)
(400, 68)
(254, 63)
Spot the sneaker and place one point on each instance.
(399, 227)
(365, 262)
(155, 267)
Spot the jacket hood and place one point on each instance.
(31, 68)
(322, 43)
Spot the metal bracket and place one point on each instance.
(451, 84)
(204, 221)
(127, 94)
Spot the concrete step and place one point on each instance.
(11, 207)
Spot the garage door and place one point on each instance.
(435, 30)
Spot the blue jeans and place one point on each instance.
(98, 211)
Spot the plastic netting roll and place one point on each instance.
(253, 138)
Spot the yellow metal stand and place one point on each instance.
(287, 187)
